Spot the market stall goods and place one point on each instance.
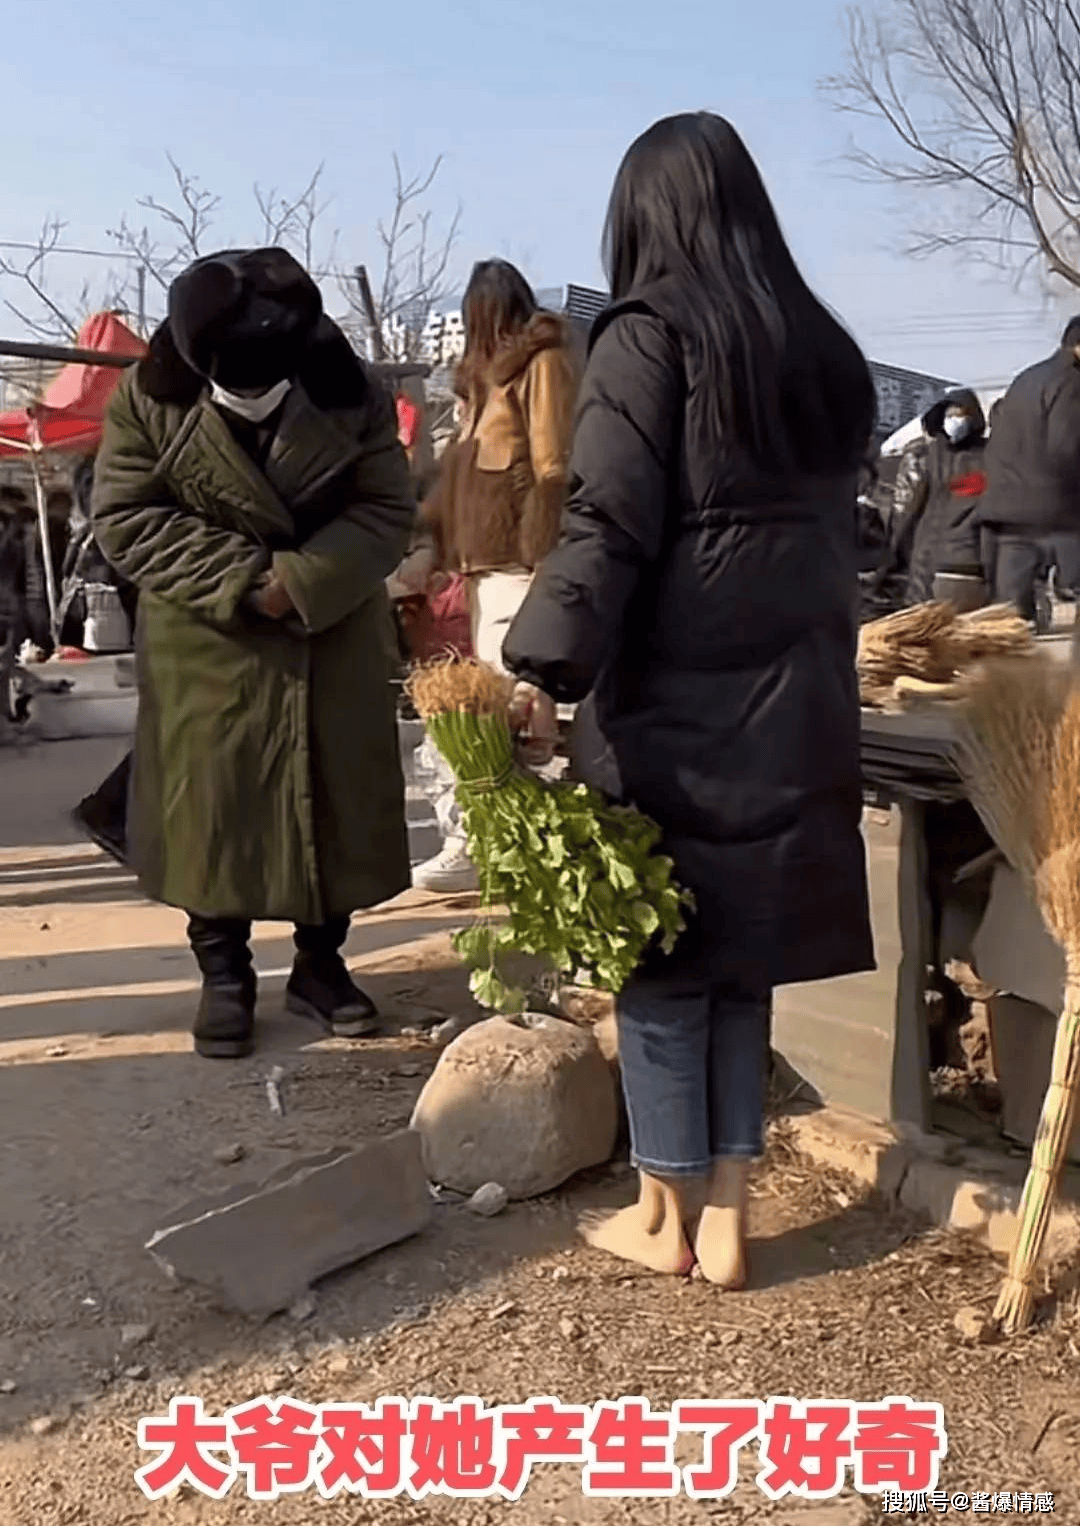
(1020, 755)
(931, 651)
(583, 882)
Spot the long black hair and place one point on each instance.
(793, 392)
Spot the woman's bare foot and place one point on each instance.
(649, 1232)
(721, 1236)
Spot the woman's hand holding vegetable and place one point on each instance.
(535, 723)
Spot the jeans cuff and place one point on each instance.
(663, 1168)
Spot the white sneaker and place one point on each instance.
(450, 872)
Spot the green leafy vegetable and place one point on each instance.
(581, 879)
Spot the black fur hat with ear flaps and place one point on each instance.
(244, 318)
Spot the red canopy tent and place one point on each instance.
(69, 416)
(72, 409)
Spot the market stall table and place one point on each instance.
(940, 891)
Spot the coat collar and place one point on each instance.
(310, 448)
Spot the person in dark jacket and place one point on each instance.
(1032, 503)
(84, 564)
(251, 485)
(946, 538)
(702, 603)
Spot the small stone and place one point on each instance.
(229, 1155)
(304, 1308)
(276, 1382)
(339, 1364)
(44, 1425)
(409, 1071)
(503, 1310)
(569, 1329)
(709, 1338)
(8, 1387)
(560, 1273)
(135, 1335)
(56, 1052)
(488, 1200)
(446, 1033)
(731, 1338)
(137, 1374)
(975, 1325)
(412, 1033)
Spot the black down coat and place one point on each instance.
(711, 618)
(1033, 458)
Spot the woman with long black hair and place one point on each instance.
(704, 597)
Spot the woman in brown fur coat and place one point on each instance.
(496, 510)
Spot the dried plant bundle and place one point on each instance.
(934, 644)
(1021, 758)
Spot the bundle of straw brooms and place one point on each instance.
(1020, 752)
(932, 652)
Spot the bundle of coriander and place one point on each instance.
(581, 880)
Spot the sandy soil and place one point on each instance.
(109, 1122)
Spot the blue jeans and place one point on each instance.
(694, 1067)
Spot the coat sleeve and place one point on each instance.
(547, 402)
(159, 547)
(571, 623)
(344, 563)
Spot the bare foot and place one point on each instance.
(721, 1236)
(650, 1232)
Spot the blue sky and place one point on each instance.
(532, 107)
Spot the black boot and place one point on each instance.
(321, 988)
(225, 1023)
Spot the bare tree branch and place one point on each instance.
(56, 321)
(983, 98)
(175, 231)
(414, 267)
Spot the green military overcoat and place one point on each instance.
(267, 779)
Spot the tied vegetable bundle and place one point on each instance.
(581, 880)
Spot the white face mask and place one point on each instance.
(254, 409)
(957, 429)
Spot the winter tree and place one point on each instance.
(981, 99)
(165, 233)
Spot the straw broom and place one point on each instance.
(1022, 760)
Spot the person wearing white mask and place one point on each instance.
(948, 556)
(252, 486)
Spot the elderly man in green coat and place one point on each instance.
(252, 487)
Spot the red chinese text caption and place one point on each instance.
(274, 1447)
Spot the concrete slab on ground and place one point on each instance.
(959, 1187)
(260, 1247)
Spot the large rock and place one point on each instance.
(528, 1106)
(260, 1246)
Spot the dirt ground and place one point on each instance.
(109, 1122)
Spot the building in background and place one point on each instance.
(902, 396)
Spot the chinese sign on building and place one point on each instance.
(903, 396)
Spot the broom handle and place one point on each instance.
(1050, 1149)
